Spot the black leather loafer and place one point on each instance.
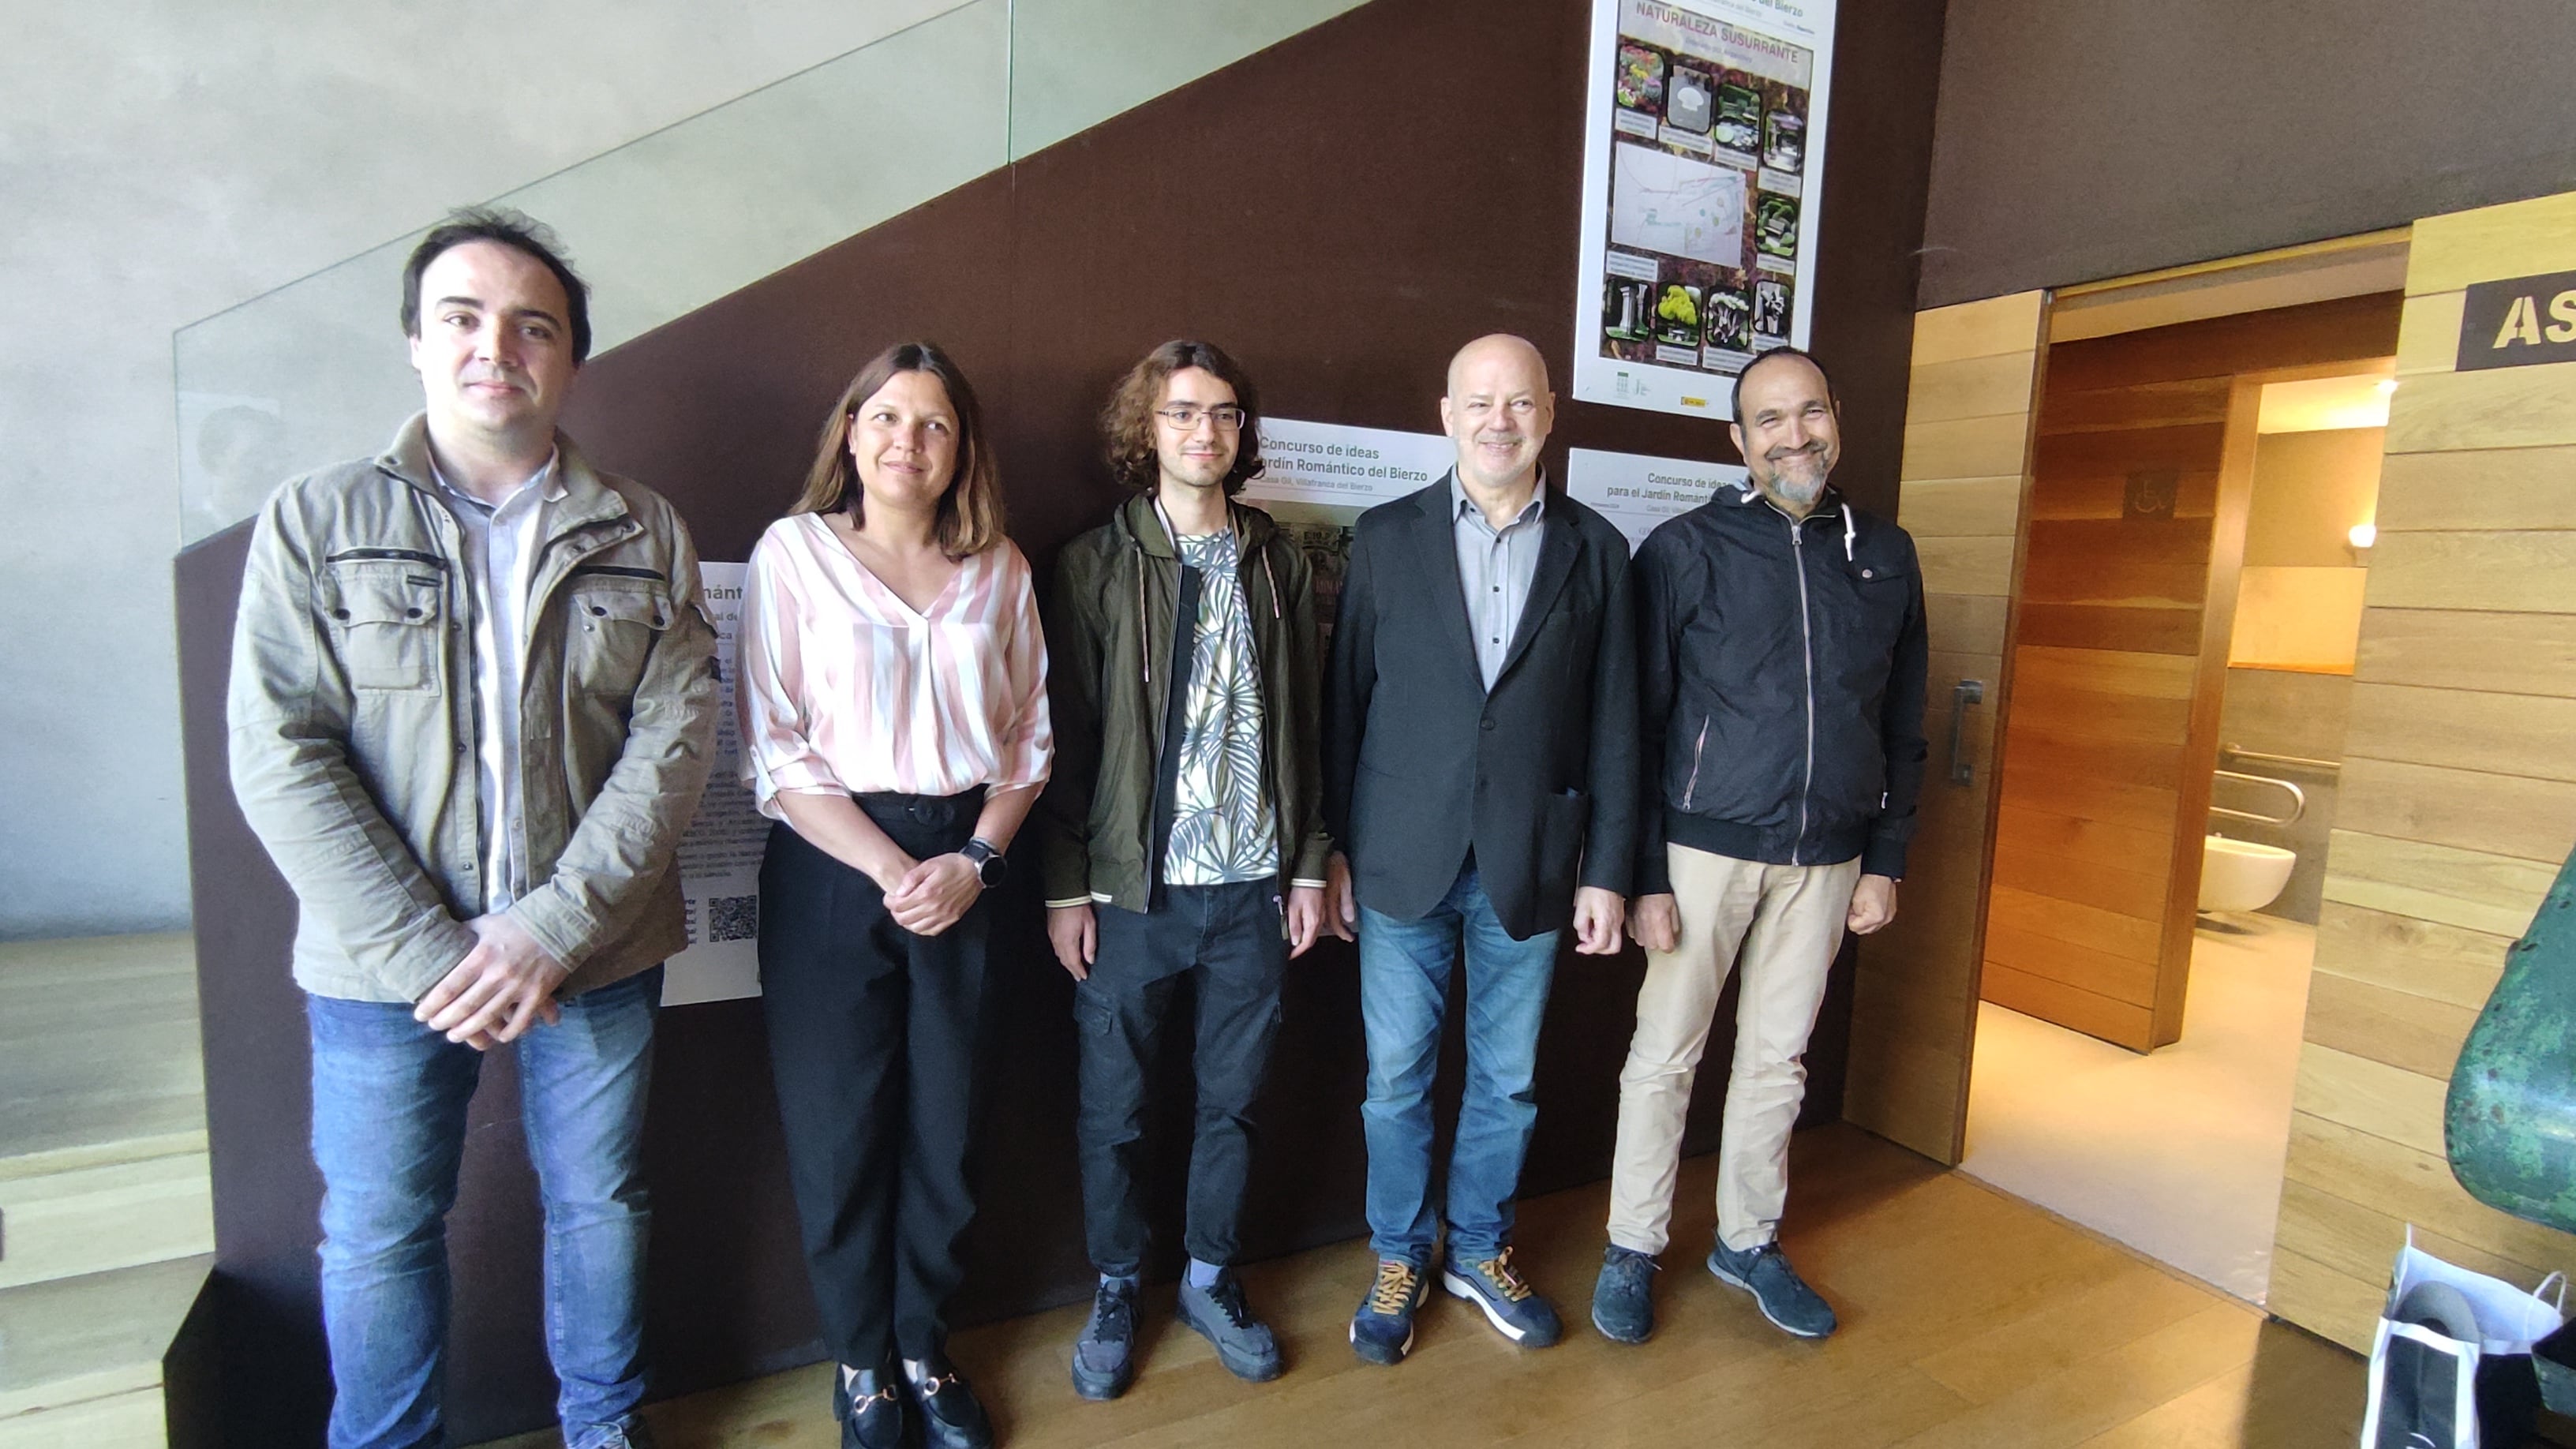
(951, 1416)
(870, 1408)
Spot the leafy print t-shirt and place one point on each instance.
(1222, 827)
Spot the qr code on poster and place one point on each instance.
(733, 918)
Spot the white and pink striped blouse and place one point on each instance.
(842, 687)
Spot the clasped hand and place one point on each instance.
(505, 985)
(928, 896)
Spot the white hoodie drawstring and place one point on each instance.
(1847, 534)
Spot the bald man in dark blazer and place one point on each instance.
(1480, 779)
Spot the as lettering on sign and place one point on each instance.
(2518, 322)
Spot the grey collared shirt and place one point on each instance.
(501, 544)
(1494, 570)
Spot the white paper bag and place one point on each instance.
(2423, 1379)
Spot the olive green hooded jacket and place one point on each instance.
(1115, 655)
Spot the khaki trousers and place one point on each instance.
(1788, 920)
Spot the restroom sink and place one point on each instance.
(2239, 875)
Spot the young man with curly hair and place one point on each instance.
(1181, 836)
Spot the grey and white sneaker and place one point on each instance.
(1244, 1344)
(1784, 1297)
(1104, 1358)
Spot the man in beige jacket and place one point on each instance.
(472, 708)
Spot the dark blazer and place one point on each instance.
(1421, 764)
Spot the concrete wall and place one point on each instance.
(162, 163)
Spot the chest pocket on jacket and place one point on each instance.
(1883, 591)
(386, 622)
(610, 631)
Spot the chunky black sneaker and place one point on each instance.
(1244, 1344)
(1382, 1331)
(1783, 1296)
(1623, 1301)
(870, 1408)
(1104, 1361)
(951, 1416)
(1517, 1311)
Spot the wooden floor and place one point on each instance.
(1969, 1318)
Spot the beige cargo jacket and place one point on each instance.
(352, 714)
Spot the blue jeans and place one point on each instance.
(1405, 970)
(389, 1101)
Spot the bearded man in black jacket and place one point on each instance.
(1781, 660)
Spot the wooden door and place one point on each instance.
(1967, 447)
(2131, 540)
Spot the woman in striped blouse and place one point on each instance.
(891, 679)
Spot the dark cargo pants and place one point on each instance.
(1226, 941)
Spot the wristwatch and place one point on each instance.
(989, 865)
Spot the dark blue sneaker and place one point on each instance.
(1784, 1297)
(1382, 1331)
(1104, 1361)
(630, 1435)
(1516, 1310)
(1623, 1301)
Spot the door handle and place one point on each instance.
(1965, 696)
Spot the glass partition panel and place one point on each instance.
(1081, 62)
(314, 371)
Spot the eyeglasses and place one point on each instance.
(1227, 417)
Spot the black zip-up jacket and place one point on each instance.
(1780, 676)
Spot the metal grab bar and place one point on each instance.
(2298, 799)
(2328, 768)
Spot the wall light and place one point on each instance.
(2362, 536)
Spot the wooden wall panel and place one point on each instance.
(2519, 240)
(1967, 442)
(2498, 653)
(2119, 654)
(2459, 790)
(2439, 962)
(2483, 488)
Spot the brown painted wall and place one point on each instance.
(2081, 139)
(1342, 211)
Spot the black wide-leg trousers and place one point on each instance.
(872, 1042)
